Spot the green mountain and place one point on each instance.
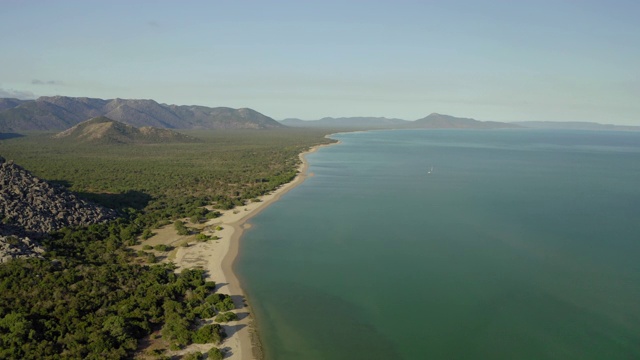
(62, 112)
(102, 130)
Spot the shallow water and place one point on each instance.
(519, 244)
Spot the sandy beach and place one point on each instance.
(217, 258)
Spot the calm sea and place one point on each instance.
(453, 245)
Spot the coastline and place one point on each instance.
(217, 258)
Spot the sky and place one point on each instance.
(512, 60)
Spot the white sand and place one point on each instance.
(217, 257)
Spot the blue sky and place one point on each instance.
(491, 60)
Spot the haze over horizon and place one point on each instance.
(495, 60)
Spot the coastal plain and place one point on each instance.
(214, 185)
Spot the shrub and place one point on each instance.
(147, 247)
(162, 247)
(226, 317)
(215, 354)
(193, 356)
(226, 304)
(213, 214)
(179, 226)
(161, 223)
(214, 298)
(147, 233)
(205, 311)
(202, 237)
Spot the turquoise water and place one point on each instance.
(518, 245)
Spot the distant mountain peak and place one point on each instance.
(441, 121)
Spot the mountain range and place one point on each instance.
(347, 122)
(56, 113)
(432, 121)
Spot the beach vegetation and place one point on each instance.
(210, 333)
(202, 237)
(162, 247)
(213, 214)
(193, 356)
(181, 228)
(160, 224)
(205, 311)
(215, 354)
(225, 305)
(147, 233)
(226, 317)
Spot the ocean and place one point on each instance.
(453, 244)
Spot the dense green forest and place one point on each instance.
(88, 298)
(227, 167)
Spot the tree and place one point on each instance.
(115, 326)
(211, 333)
(176, 331)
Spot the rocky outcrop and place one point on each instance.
(31, 208)
(12, 247)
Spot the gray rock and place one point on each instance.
(31, 208)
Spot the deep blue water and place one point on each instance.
(518, 245)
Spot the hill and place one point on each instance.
(8, 103)
(102, 130)
(31, 208)
(439, 121)
(56, 113)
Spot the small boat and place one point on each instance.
(430, 170)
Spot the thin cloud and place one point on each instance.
(17, 94)
(48, 82)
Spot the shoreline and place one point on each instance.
(217, 257)
(253, 339)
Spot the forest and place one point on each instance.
(90, 297)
